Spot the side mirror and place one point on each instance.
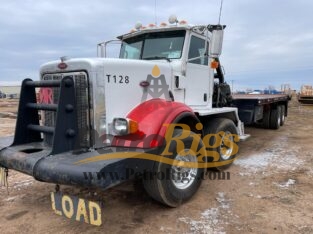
(102, 48)
(217, 41)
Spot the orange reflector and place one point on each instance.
(132, 126)
(214, 64)
(133, 30)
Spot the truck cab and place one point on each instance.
(188, 51)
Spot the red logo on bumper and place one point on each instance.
(46, 96)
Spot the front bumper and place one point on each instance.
(34, 159)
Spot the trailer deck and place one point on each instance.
(260, 99)
(261, 108)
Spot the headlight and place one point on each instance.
(121, 126)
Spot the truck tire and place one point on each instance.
(225, 152)
(172, 185)
(282, 115)
(275, 118)
(266, 119)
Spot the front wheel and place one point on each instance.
(174, 184)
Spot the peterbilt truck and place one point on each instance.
(153, 110)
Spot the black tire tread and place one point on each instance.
(282, 120)
(266, 119)
(216, 125)
(161, 193)
(275, 115)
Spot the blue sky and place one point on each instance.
(266, 42)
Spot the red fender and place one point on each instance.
(151, 117)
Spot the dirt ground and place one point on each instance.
(270, 191)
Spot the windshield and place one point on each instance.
(157, 45)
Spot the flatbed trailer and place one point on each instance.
(305, 99)
(266, 110)
(306, 94)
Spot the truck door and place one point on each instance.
(197, 73)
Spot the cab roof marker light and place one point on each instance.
(173, 19)
(138, 26)
(163, 24)
(151, 26)
(183, 22)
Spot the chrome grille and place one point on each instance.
(82, 107)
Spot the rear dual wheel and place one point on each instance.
(274, 117)
(226, 132)
(282, 115)
(266, 118)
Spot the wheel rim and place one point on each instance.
(182, 177)
(226, 150)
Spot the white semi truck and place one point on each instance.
(139, 113)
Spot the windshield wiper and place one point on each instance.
(157, 57)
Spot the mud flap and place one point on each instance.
(76, 208)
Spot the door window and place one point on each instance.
(197, 50)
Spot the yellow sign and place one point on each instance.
(76, 208)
